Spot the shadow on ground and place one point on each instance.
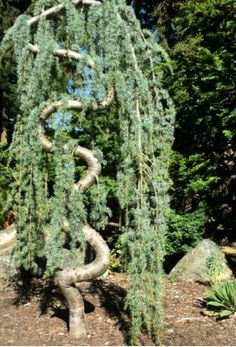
(111, 298)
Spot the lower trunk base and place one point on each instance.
(69, 278)
(77, 326)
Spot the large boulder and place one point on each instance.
(202, 260)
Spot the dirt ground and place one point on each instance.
(42, 320)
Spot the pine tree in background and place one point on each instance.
(200, 38)
(8, 111)
(117, 68)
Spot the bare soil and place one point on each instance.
(40, 319)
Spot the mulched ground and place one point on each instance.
(42, 320)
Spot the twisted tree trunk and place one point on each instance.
(68, 279)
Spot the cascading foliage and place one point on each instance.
(117, 58)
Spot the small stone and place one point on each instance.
(170, 331)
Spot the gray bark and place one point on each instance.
(68, 280)
(66, 53)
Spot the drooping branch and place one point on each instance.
(66, 53)
(94, 167)
(57, 8)
(76, 104)
(71, 104)
(69, 278)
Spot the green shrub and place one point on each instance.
(185, 230)
(216, 266)
(221, 300)
(116, 254)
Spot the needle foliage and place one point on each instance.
(128, 62)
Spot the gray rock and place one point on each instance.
(7, 245)
(7, 268)
(195, 264)
(7, 239)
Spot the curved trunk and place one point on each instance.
(68, 280)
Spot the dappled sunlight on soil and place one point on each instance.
(42, 319)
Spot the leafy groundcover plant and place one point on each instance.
(221, 300)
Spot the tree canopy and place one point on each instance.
(111, 66)
(122, 64)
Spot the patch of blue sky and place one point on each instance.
(62, 120)
(172, 25)
(83, 93)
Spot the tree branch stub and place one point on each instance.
(66, 53)
(58, 8)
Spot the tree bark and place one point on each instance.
(68, 280)
(4, 121)
(66, 53)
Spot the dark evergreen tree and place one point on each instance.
(200, 38)
(8, 111)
